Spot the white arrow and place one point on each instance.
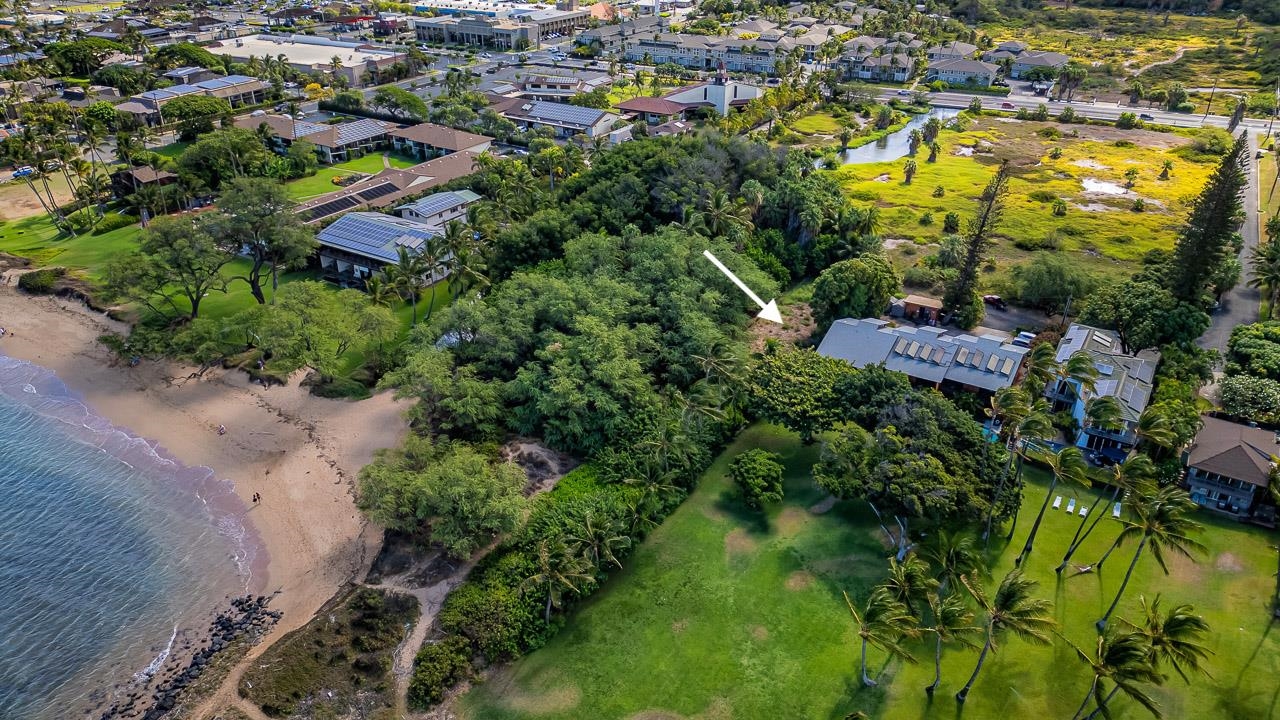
(768, 311)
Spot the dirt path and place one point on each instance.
(1176, 57)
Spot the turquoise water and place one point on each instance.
(111, 553)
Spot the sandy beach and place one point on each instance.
(300, 452)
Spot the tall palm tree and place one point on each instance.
(381, 291)
(1018, 416)
(1080, 369)
(952, 622)
(1155, 429)
(1132, 477)
(598, 540)
(1161, 523)
(1265, 259)
(411, 276)
(1042, 366)
(953, 554)
(884, 623)
(1013, 609)
(722, 215)
(1125, 660)
(909, 583)
(1104, 412)
(559, 571)
(1067, 464)
(1175, 637)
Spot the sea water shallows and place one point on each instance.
(107, 547)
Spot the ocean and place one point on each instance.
(110, 551)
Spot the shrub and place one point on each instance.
(1049, 133)
(926, 219)
(939, 191)
(437, 668)
(40, 282)
(1059, 207)
(1043, 196)
(951, 223)
(1139, 205)
(114, 221)
(1055, 153)
(493, 614)
(1126, 121)
(1068, 115)
(1123, 144)
(1047, 242)
(758, 474)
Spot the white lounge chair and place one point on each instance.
(1071, 506)
(1084, 510)
(1115, 511)
(1057, 502)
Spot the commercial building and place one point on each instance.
(506, 26)
(564, 120)
(1229, 466)
(926, 354)
(314, 55)
(611, 38)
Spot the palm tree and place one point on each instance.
(721, 215)
(598, 540)
(1154, 428)
(909, 582)
(884, 623)
(954, 554)
(1273, 486)
(1012, 409)
(934, 149)
(1066, 464)
(1104, 412)
(1080, 370)
(1265, 259)
(908, 171)
(1013, 609)
(1042, 366)
(952, 622)
(559, 571)
(1163, 525)
(1132, 477)
(1125, 660)
(381, 291)
(411, 276)
(1174, 637)
(1166, 167)
(914, 139)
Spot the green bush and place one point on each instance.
(758, 474)
(926, 219)
(438, 667)
(1047, 242)
(40, 282)
(114, 221)
(1043, 196)
(951, 223)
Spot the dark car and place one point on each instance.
(1148, 117)
(995, 301)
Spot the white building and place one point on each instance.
(310, 54)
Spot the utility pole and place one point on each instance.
(1274, 111)
(1212, 90)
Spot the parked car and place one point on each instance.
(24, 171)
(1006, 106)
(904, 92)
(996, 302)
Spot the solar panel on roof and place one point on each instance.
(961, 355)
(331, 207)
(913, 349)
(1007, 368)
(899, 346)
(558, 112)
(377, 191)
(975, 360)
(992, 362)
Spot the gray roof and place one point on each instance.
(1127, 378)
(955, 47)
(375, 236)
(441, 201)
(964, 65)
(926, 353)
(561, 114)
(335, 136)
(1042, 59)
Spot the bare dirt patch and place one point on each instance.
(679, 626)
(799, 580)
(896, 242)
(739, 543)
(824, 506)
(1091, 164)
(557, 693)
(791, 520)
(541, 464)
(1228, 562)
(760, 632)
(797, 326)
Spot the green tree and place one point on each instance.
(177, 258)
(312, 326)
(883, 623)
(1133, 478)
(1124, 659)
(1050, 281)
(908, 171)
(452, 399)
(952, 623)
(195, 114)
(1143, 314)
(558, 572)
(598, 539)
(1066, 464)
(857, 288)
(257, 216)
(796, 389)
(1161, 523)
(1013, 609)
(1265, 262)
(758, 474)
(400, 102)
(952, 553)
(1205, 238)
(467, 500)
(961, 301)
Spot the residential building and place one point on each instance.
(611, 38)
(1229, 466)
(699, 52)
(974, 73)
(126, 182)
(1127, 378)
(428, 140)
(954, 50)
(189, 75)
(926, 354)
(1025, 63)
(360, 244)
(388, 187)
(438, 209)
(653, 111)
(282, 129)
(565, 120)
(357, 62)
(345, 141)
(237, 90)
(889, 67)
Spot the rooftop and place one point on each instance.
(439, 136)
(1128, 378)
(441, 201)
(333, 136)
(304, 49)
(376, 236)
(1240, 452)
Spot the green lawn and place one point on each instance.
(1268, 187)
(1100, 229)
(722, 613)
(817, 123)
(173, 150)
(322, 181)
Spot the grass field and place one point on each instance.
(818, 123)
(1270, 189)
(1100, 226)
(322, 181)
(723, 613)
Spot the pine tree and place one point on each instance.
(960, 299)
(1203, 241)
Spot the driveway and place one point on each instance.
(1240, 306)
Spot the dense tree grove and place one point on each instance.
(1205, 241)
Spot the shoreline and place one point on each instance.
(300, 452)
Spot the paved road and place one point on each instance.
(1240, 306)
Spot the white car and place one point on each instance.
(485, 55)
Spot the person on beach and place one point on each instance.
(222, 429)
